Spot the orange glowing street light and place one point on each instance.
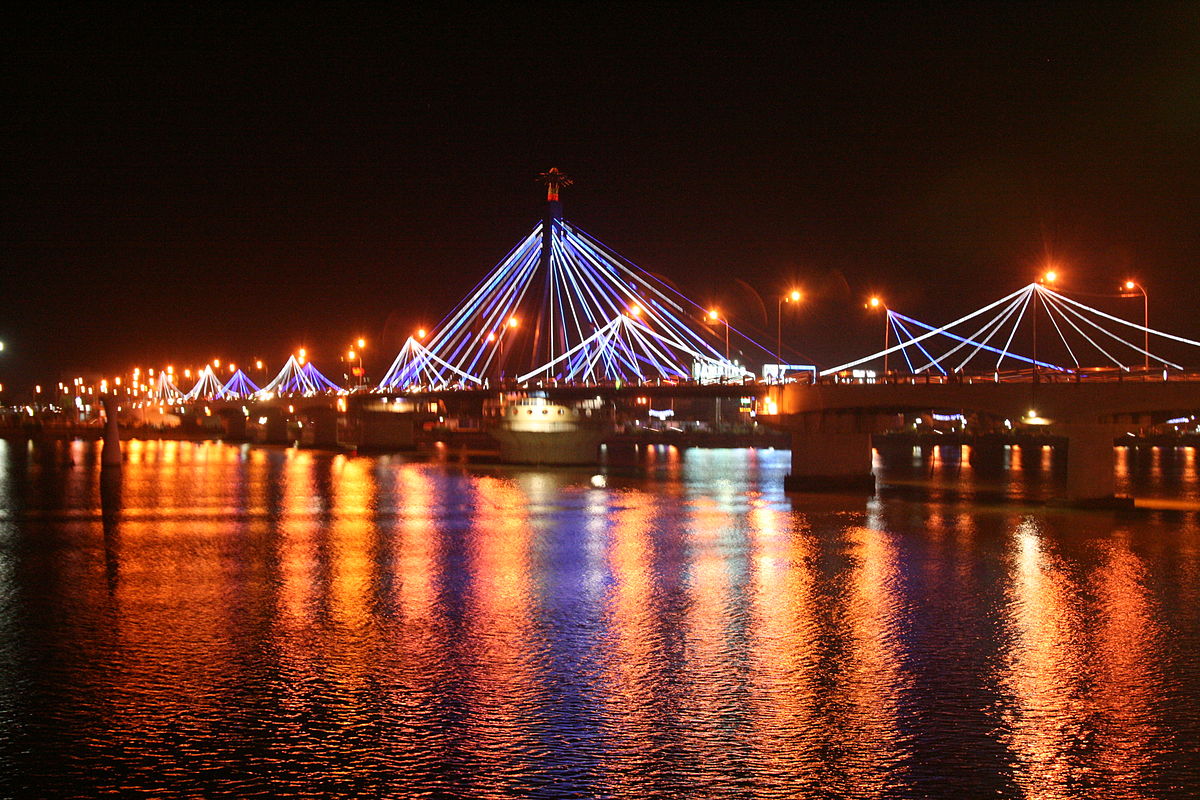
(877, 302)
(421, 333)
(1129, 287)
(513, 322)
(1049, 276)
(794, 296)
(715, 316)
(357, 354)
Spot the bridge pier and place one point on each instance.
(270, 426)
(831, 452)
(233, 425)
(110, 455)
(1091, 480)
(319, 427)
(387, 430)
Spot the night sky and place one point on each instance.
(236, 184)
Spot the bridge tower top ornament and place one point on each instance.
(554, 180)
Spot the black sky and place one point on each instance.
(234, 183)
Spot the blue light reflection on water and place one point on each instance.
(224, 620)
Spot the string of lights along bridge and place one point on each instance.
(561, 308)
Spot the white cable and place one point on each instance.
(924, 336)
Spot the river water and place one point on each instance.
(218, 620)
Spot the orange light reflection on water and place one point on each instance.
(1045, 668)
(872, 678)
(632, 690)
(785, 651)
(1128, 680)
(501, 665)
(714, 648)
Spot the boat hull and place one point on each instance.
(537, 431)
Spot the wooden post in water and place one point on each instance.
(110, 456)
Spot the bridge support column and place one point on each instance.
(830, 453)
(387, 430)
(1091, 481)
(234, 425)
(270, 426)
(320, 427)
(110, 455)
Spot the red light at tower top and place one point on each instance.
(554, 181)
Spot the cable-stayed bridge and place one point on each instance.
(561, 309)
(567, 318)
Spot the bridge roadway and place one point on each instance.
(370, 418)
(831, 424)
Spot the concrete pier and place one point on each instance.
(831, 452)
(387, 430)
(110, 456)
(1091, 481)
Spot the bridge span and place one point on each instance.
(831, 424)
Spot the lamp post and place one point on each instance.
(1050, 276)
(1128, 287)
(877, 302)
(362, 370)
(510, 325)
(792, 297)
(715, 316)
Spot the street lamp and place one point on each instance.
(792, 297)
(353, 355)
(877, 302)
(715, 316)
(1129, 287)
(1049, 277)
